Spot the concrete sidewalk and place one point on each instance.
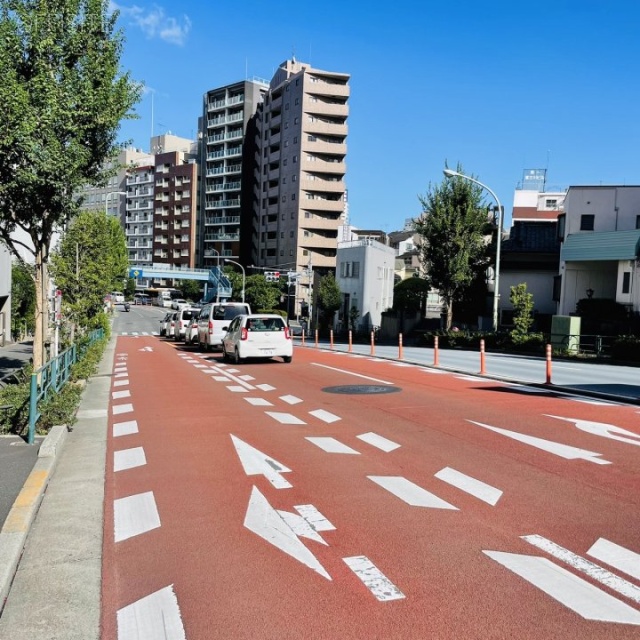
(55, 592)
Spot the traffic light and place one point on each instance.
(272, 276)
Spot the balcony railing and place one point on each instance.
(222, 220)
(216, 237)
(221, 204)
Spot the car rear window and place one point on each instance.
(187, 315)
(265, 324)
(229, 312)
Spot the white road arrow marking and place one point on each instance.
(411, 493)
(558, 449)
(577, 594)
(256, 463)
(604, 430)
(616, 556)
(314, 517)
(263, 520)
(154, 616)
(146, 349)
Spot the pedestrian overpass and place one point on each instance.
(217, 285)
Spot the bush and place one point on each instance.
(89, 359)
(626, 348)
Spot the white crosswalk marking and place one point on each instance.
(134, 515)
(379, 585)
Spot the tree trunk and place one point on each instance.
(449, 309)
(41, 333)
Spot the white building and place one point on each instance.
(601, 242)
(365, 276)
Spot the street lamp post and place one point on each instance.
(449, 173)
(108, 195)
(244, 275)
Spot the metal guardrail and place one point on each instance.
(582, 343)
(52, 377)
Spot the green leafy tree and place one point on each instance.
(522, 302)
(130, 288)
(191, 289)
(23, 299)
(329, 298)
(354, 314)
(454, 228)
(90, 261)
(62, 97)
(260, 294)
(410, 295)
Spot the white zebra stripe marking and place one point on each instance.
(117, 395)
(220, 378)
(616, 556)
(129, 459)
(125, 428)
(122, 408)
(325, 416)
(154, 616)
(265, 387)
(121, 383)
(122, 374)
(314, 517)
(331, 445)
(134, 515)
(259, 402)
(236, 388)
(380, 586)
(378, 441)
(285, 418)
(411, 493)
(476, 488)
(577, 594)
(290, 399)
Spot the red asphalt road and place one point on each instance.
(232, 584)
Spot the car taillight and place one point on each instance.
(210, 326)
(244, 334)
(287, 335)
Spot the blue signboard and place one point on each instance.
(136, 273)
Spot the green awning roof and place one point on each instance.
(606, 245)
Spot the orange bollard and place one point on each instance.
(350, 341)
(316, 338)
(331, 339)
(436, 361)
(548, 364)
(303, 337)
(482, 360)
(400, 347)
(373, 344)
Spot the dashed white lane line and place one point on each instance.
(411, 493)
(291, 399)
(129, 459)
(121, 374)
(259, 402)
(378, 441)
(220, 378)
(577, 594)
(154, 616)
(237, 389)
(331, 445)
(614, 582)
(201, 366)
(437, 371)
(597, 403)
(265, 387)
(125, 428)
(118, 395)
(380, 586)
(246, 377)
(285, 418)
(616, 556)
(121, 383)
(121, 408)
(476, 488)
(325, 416)
(232, 370)
(134, 515)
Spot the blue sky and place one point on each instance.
(497, 86)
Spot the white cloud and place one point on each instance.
(154, 23)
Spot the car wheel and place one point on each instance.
(236, 356)
(287, 359)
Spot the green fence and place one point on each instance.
(52, 377)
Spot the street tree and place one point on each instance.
(259, 294)
(522, 302)
(191, 289)
(62, 98)
(455, 230)
(329, 298)
(410, 295)
(90, 260)
(23, 298)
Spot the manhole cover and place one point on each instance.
(362, 389)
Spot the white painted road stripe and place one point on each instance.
(154, 616)
(379, 585)
(314, 517)
(121, 383)
(579, 595)
(259, 402)
(246, 377)
(378, 441)
(128, 459)
(285, 418)
(121, 374)
(237, 388)
(134, 515)
(476, 488)
(122, 408)
(256, 463)
(118, 395)
(616, 556)
(351, 373)
(125, 428)
(411, 493)
(614, 582)
(325, 416)
(265, 387)
(290, 399)
(221, 378)
(331, 445)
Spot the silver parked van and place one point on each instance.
(214, 316)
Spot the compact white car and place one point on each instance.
(214, 317)
(164, 323)
(257, 336)
(178, 303)
(184, 317)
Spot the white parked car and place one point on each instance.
(214, 316)
(259, 335)
(184, 317)
(178, 303)
(164, 323)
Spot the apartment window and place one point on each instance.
(287, 88)
(297, 101)
(284, 180)
(626, 281)
(284, 198)
(282, 250)
(291, 234)
(284, 163)
(286, 143)
(294, 178)
(305, 252)
(282, 234)
(290, 252)
(286, 125)
(293, 215)
(637, 222)
(295, 159)
(551, 203)
(295, 139)
(297, 81)
(293, 196)
(587, 221)
(311, 138)
(296, 120)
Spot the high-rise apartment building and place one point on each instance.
(301, 195)
(227, 167)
